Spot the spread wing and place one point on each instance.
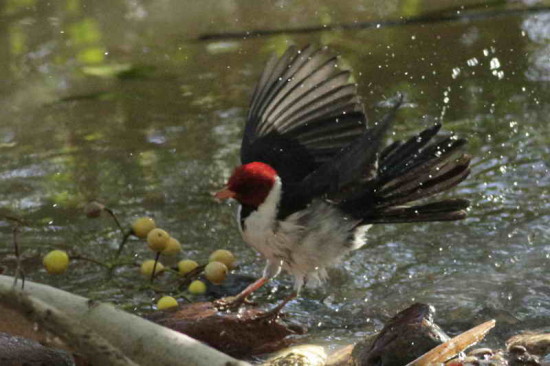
(306, 121)
(303, 112)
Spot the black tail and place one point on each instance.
(421, 167)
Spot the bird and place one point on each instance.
(315, 175)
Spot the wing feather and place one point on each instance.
(303, 104)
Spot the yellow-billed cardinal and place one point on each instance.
(314, 175)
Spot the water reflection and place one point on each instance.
(119, 105)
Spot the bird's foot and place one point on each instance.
(276, 311)
(231, 303)
(235, 302)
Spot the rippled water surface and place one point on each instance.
(117, 101)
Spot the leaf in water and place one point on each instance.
(85, 32)
(94, 136)
(101, 95)
(455, 345)
(222, 47)
(91, 55)
(121, 71)
(136, 72)
(107, 70)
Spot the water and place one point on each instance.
(115, 101)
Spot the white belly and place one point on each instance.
(305, 243)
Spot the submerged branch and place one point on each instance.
(440, 17)
(19, 272)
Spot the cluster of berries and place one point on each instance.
(220, 262)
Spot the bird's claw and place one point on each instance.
(231, 303)
(270, 315)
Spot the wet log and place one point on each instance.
(410, 338)
(342, 356)
(303, 355)
(14, 323)
(454, 346)
(17, 351)
(408, 335)
(243, 334)
(534, 343)
(107, 335)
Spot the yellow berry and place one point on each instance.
(147, 267)
(173, 247)
(166, 302)
(197, 287)
(157, 239)
(186, 266)
(142, 226)
(56, 261)
(215, 272)
(223, 256)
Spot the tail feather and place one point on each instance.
(433, 151)
(390, 149)
(428, 188)
(419, 176)
(406, 152)
(447, 210)
(409, 171)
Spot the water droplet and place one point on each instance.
(456, 72)
(472, 62)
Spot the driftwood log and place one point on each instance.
(107, 335)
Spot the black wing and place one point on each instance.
(303, 112)
(306, 121)
(374, 185)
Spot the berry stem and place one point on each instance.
(155, 267)
(18, 268)
(88, 259)
(187, 278)
(112, 214)
(122, 243)
(182, 295)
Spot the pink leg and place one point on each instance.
(274, 313)
(236, 301)
(251, 288)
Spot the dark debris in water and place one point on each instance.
(408, 335)
(15, 351)
(243, 334)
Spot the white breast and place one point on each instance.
(305, 243)
(260, 225)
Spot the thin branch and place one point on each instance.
(155, 267)
(122, 243)
(79, 257)
(18, 268)
(189, 277)
(421, 19)
(112, 214)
